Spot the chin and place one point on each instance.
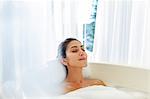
(84, 64)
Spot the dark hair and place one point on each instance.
(62, 50)
(63, 47)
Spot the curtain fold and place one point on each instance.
(122, 34)
(30, 31)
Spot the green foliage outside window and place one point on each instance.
(89, 28)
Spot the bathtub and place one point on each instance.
(132, 80)
(94, 92)
(91, 92)
(123, 83)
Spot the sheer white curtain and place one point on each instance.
(30, 31)
(122, 34)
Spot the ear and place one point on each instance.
(64, 61)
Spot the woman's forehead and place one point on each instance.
(74, 44)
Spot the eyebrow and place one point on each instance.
(74, 47)
(77, 46)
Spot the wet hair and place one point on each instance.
(62, 50)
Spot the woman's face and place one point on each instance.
(75, 55)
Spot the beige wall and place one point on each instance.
(149, 85)
(117, 75)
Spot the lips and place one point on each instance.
(82, 58)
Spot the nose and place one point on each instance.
(81, 53)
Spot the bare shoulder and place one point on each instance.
(71, 87)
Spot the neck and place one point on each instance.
(75, 75)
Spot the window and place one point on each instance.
(89, 28)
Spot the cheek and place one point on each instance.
(71, 57)
(85, 54)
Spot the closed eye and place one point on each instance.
(76, 50)
(83, 49)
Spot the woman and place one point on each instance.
(73, 56)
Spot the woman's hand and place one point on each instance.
(90, 82)
(99, 82)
